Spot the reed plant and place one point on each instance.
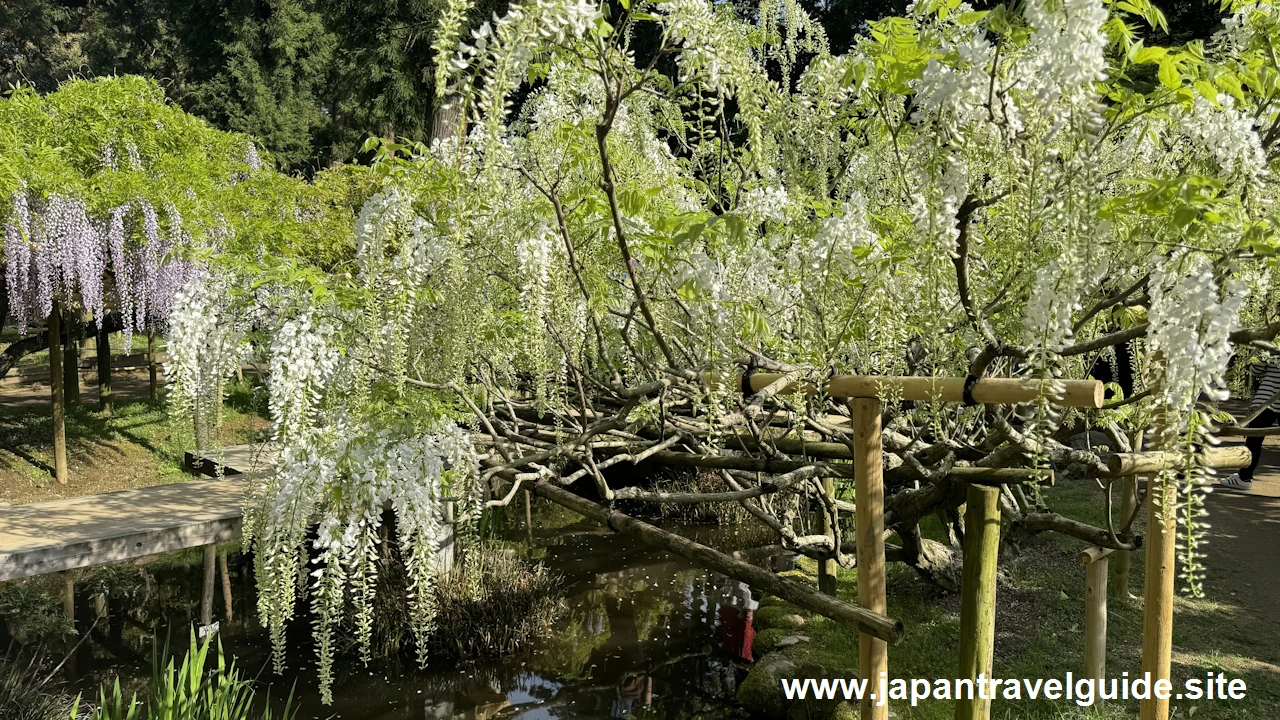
(28, 691)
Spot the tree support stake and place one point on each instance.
(978, 596)
(868, 478)
(56, 380)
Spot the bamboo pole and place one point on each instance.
(868, 474)
(798, 593)
(226, 584)
(978, 596)
(210, 577)
(1150, 462)
(105, 400)
(152, 370)
(1157, 612)
(59, 398)
(1094, 553)
(1160, 575)
(1095, 615)
(991, 391)
(829, 568)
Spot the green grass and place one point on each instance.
(1040, 631)
(138, 444)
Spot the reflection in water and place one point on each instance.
(647, 635)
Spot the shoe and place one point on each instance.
(1235, 482)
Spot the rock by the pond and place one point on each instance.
(778, 616)
(767, 640)
(761, 691)
(790, 640)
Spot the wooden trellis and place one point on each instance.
(1157, 612)
(982, 520)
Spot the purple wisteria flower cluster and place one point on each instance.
(54, 247)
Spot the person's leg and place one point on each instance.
(1266, 419)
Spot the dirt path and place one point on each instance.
(125, 384)
(1244, 555)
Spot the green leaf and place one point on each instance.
(1169, 75)
(1229, 83)
(1147, 55)
(1184, 216)
(1207, 91)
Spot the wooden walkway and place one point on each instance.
(112, 527)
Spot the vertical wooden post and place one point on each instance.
(105, 401)
(1157, 612)
(828, 569)
(59, 398)
(978, 595)
(1119, 584)
(868, 478)
(69, 597)
(69, 610)
(1123, 558)
(71, 365)
(151, 364)
(1095, 619)
(226, 584)
(206, 599)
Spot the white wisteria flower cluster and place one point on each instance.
(1228, 136)
(206, 345)
(1192, 317)
(303, 358)
(953, 196)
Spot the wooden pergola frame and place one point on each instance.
(982, 518)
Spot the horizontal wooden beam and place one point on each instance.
(1121, 464)
(1236, 431)
(987, 391)
(1003, 476)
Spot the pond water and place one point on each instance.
(646, 635)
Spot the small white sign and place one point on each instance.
(207, 630)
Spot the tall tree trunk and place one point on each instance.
(447, 120)
(59, 398)
(105, 400)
